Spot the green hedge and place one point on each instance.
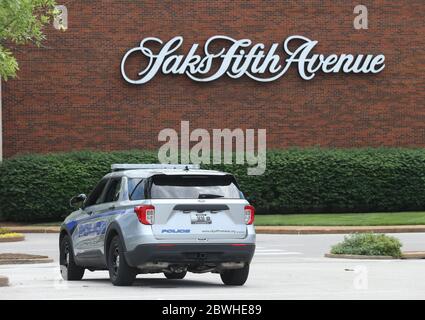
(38, 187)
(369, 244)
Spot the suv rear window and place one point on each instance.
(136, 188)
(189, 187)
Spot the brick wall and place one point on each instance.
(71, 95)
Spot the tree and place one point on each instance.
(21, 22)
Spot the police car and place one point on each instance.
(156, 218)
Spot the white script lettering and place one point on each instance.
(237, 58)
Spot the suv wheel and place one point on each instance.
(175, 275)
(120, 273)
(69, 270)
(235, 277)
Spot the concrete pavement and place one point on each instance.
(284, 267)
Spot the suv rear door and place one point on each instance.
(196, 207)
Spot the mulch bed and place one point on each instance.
(23, 258)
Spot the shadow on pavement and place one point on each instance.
(162, 283)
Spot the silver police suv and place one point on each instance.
(155, 218)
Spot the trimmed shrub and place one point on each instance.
(337, 180)
(369, 244)
(38, 187)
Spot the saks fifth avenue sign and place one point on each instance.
(237, 58)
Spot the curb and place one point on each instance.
(4, 281)
(404, 255)
(337, 230)
(413, 255)
(13, 239)
(356, 256)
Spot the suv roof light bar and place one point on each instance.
(127, 166)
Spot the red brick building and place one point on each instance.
(71, 94)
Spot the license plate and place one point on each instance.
(200, 218)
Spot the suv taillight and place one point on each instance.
(145, 214)
(249, 214)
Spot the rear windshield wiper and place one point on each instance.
(209, 196)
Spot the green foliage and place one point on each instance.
(21, 22)
(4, 231)
(10, 235)
(337, 180)
(369, 244)
(38, 187)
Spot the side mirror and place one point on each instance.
(77, 201)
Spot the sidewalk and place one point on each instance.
(266, 229)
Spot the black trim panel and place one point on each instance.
(201, 207)
(91, 259)
(114, 226)
(190, 253)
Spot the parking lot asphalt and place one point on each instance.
(284, 267)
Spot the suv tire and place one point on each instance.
(69, 270)
(120, 273)
(235, 277)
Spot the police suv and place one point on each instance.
(155, 218)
